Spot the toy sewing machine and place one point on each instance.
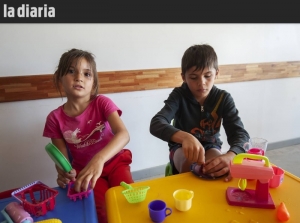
(249, 166)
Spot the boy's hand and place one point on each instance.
(63, 178)
(219, 166)
(193, 149)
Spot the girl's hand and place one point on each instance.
(93, 170)
(63, 178)
(219, 166)
(89, 174)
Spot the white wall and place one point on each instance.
(268, 108)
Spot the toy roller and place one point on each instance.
(15, 213)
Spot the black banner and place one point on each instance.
(163, 11)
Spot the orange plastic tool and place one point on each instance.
(282, 212)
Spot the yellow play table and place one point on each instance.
(209, 204)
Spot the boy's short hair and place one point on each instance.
(201, 56)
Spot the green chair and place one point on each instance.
(168, 170)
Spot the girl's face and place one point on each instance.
(78, 82)
(200, 82)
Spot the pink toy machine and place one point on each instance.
(249, 166)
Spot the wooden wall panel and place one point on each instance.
(20, 88)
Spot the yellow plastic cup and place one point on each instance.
(183, 199)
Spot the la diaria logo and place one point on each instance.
(27, 11)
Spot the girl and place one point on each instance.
(90, 127)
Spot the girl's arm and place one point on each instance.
(63, 178)
(118, 142)
(93, 170)
(61, 145)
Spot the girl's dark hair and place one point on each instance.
(66, 61)
(201, 56)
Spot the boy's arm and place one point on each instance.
(193, 150)
(160, 126)
(237, 136)
(219, 166)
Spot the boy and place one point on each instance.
(198, 109)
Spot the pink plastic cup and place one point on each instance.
(277, 178)
(256, 146)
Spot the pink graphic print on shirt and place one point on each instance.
(73, 137)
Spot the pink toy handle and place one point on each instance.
(238, 159)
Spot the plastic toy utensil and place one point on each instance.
(73, 195)
(134, 194)
(59, 159)
(282, 212)
(242, 184)
(277, 178)
(52, 220)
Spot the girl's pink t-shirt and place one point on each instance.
(86, 134)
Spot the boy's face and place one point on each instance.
(200, 82)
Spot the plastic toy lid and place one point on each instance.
(59, 159)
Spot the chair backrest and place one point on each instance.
(7, 193)
(168, 170)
